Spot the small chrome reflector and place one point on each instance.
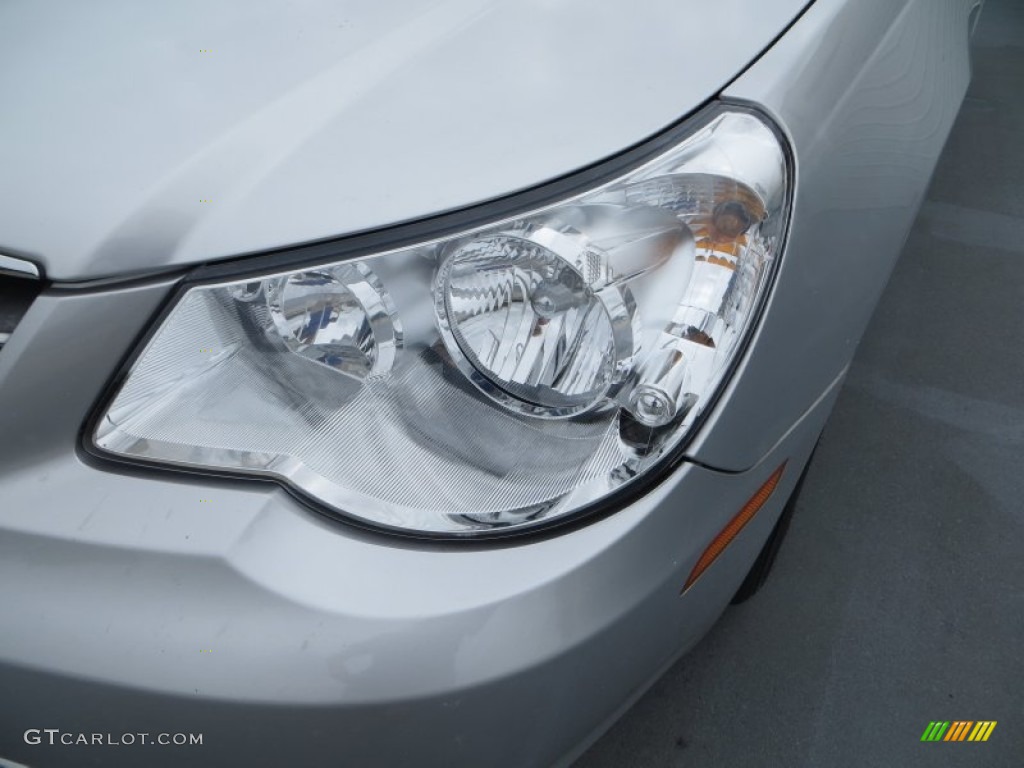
(18, 267)
(732, 529)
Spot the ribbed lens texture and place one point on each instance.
(502, 377)
(321, 319)
(337, 317)
(407, 446)
(526, 320)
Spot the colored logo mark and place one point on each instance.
(958, 730)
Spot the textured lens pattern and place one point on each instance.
(701, 194)
(321, 319)
(497, 379)
(409, 446)
(339, 318)
(526, 319)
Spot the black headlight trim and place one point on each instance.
(401, 235)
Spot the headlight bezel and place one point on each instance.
(447, 227)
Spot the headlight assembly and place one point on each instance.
(505, 377)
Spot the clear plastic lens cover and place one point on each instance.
(501, 378)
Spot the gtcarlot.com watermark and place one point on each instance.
(55, 736)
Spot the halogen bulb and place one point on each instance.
(661, 392)
(340, 317)
(731, 219)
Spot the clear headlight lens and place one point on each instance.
(501, 378)
(340, 317)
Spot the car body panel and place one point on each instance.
(137, 600)
(251, 616)
(868, 92)
(185, 132)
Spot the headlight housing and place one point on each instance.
(505, 377)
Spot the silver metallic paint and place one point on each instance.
(393, 653)
(868, 92)
(313, 119)
(351, 648)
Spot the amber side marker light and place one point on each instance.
(734, 526)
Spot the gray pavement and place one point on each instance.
(898, 597)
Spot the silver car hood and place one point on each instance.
(139, 136)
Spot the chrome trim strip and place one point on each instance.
(18, 267)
